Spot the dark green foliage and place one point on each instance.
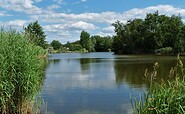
(56, 44)
(102, 44)
(150, 34)
(91, 44)
(74, 46)
(36, 34)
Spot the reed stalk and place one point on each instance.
(166, 97)
(21, 72)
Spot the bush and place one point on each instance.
(20, 72)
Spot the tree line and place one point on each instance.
(154, 34)
(86, 43)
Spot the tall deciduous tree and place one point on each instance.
(85, 41)
(149, 35)
(56, 44)
(36, 34)
(102, 44)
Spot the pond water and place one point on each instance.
(98, 83)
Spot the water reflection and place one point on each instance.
(97, 83)
(131, 69)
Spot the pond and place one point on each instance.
(98, 83)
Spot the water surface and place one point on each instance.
(98, 83)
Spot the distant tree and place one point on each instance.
(85, 41)
(108, 43)
(119, 41)
(101, 44)
(36, 34)
(56, 44)
(74, 46)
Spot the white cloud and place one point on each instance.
(107, 31)
(72, 26)
(68, 31)
(16, 24)
(4, 13)
(25, 6)
(19, 23)
(53, 7)
(104, 17)
(163, 9)
(82, 26)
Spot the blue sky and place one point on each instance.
(64, 20)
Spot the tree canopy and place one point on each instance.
(36, 34)
(150, 35)
(56, 44)
(85, 41)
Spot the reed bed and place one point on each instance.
(21, 72)
(164, 98)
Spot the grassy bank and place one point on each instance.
(21, 72)
(166, 97)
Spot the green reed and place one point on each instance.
(21, 72)
(164, 98)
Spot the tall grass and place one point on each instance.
(166, 97)
(20, 72)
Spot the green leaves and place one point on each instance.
(56, 44)
(85, 40)
(36, 34)
(150, 34)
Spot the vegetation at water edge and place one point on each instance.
(165, 98)
(21, 72)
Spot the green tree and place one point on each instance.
(85, 41)
(155, 32)
(36, 34)
(118, 40)
(108, 43)
(101, 44)
(56, 44)
(74, 46)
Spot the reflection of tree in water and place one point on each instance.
(130, 73)
(54, 61)
(133, 72)
(84, 64)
